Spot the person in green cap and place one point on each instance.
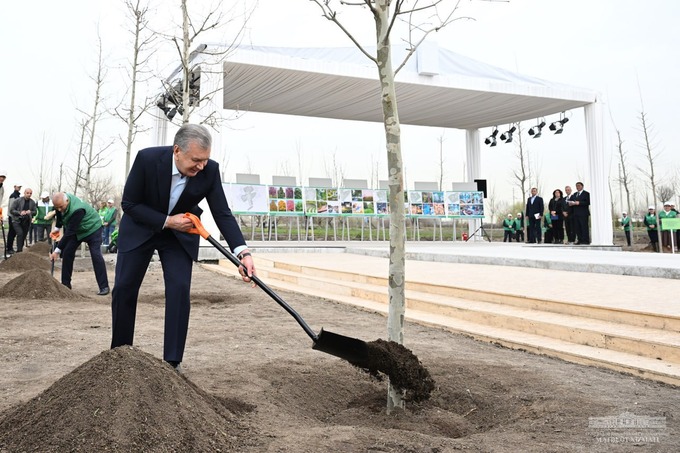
(42, 220)
(508, 228)
(652, 230)
(625, 224)
(82, 224)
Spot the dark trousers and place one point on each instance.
(534, 230)
(581, 229)
(558, 231)
(21, 227)
(68, 255)
(42, 232)
(11, 234)
(627, 233)
(569, 227)
(130, 269)
(654, 239)
(520, 235)
(507, 236)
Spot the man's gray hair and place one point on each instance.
(192, 133)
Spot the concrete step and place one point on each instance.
(651, 353)
(550, 303)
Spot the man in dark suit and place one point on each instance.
(534, 214)
(569, 216)
(580, 204)
(163, 184)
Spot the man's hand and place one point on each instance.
(179, 222)
(54, 256)
(247, 261)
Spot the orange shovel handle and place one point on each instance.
(198, 226)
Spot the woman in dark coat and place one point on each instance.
(557, 206)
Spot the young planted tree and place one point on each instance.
(522, 173)
(665, 192)
(420, 19)
(196, 86)
(142, 46)
(442, 161)
(92, 155)
(651, 155)
(624, 174)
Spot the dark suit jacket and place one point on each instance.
(535, 208)
(583, 208)
(147, 195)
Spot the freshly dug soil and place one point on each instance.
(252, 383)
(125, 400)
(24, 261)
(37, 284)
(40, 248)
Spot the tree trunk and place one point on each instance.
(395, 318)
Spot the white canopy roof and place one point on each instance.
(437, 87)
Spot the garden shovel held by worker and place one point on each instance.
(351, 349)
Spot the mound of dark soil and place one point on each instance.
(40, 248)
(124, 400)
(20, 262)
(36, 284)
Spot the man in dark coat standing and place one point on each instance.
(163, 184)
(580, 204)
(534, 214)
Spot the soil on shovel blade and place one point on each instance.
(252, 383)
(404, 369)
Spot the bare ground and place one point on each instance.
(252, 383)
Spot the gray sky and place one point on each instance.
(624, 49)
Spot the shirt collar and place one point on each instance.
(175, 170)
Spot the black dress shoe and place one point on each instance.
(103, 291)
(176, 366)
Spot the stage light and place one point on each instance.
(507, 135)
(536, 130)
(491, 139)
(558, 126)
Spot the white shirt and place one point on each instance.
(177, 186)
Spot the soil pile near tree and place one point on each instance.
(40, 248)
(125, 400)
(23, 261)
(37, 284)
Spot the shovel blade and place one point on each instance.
(351, 349)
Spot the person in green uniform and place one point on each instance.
(625, 224)
(652, 231)
(41, 221)
(519, 227)
(109, 221)
(666, 213)
(81, 224)
(508, 228)
(548, 236)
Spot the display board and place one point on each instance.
(255, 199)
(247, 199)
(285, 200)
(465, 204)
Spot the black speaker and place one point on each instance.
(481, 186)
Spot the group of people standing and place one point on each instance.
(567, 211)
(29, 221)
(669, 212)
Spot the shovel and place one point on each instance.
(351, 349)
(4, 240)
